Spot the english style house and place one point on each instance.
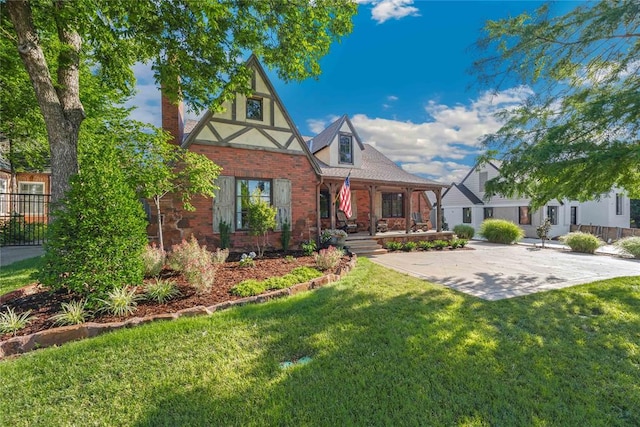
(464, 203)
(258, 146)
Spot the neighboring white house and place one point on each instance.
(464, 203)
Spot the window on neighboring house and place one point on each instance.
(324, 204)
(254, 108)
(552, 214)
(523, 215)
(574, 215)
(31, 199)
(346, 149)
(245, 188)
(619, 204)
(392, 205)
(488, 213)
(483, 180)
(466, 215)
(4, 209)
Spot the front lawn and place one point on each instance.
(385, 349)
(18, 274)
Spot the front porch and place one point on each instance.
(362, 243)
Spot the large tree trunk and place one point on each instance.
(61, 107)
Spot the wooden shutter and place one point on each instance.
(282, 202)
(223, 203)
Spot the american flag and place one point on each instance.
(345, 198)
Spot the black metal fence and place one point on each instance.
(23, 218)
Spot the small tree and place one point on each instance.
(543, 230)
(262, 218)
(157, 168)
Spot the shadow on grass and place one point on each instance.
(413, 354)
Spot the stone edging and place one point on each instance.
(57, 336)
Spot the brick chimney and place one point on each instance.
(173, 119)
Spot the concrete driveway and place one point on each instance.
(494, 272)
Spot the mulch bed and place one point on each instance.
(44, 303)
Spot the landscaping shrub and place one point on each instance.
(153, 260)
(247, 261)
(440, 244)
(329, 258)
(285, 237)
(254, 287)
(425, 245)
(464, 231)
(248, 288)
(303, 274)
(462, 242)
(455, 244)
(120, 301)
(96, 241)
(18, 230)
(195, 263)
(409, 246)
(308, 247)
(393, 246)
(261, 217)
(220, 256)
(500, 231)
(225, 235)
(630, 246)
(161, 291)
(582, 242)
(11, 322)
(73, 313)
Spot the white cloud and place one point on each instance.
(451, 134)
(383, 10)
(392, 98)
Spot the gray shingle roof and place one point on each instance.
(189, 125)
(376, 167)
(468, 194)
(325, 137)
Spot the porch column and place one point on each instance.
(438, 192)
(372, 210)
(407, 213)
(332, 203)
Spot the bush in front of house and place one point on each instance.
(582, 242)
(500, 231)
(393, 246)
(464, 231)
(630, 246)
(98, 235)
(440, 244)
(425, 245)
(153, 260)
(409, 246)
(328, 259)
(195, 263)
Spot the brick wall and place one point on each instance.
(244, 163)
(173, 119)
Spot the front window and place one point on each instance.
(254, 109)
(488, 213)
(30, 199)
(524, 217)
(552, 214)
(245, 188)
(392, 205)
(574, 215)
(466, 215)
(3, 197)
(618, 204)
(346, 149)
(324, 204)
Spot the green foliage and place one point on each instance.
(73, 313)
(454, 243)
(630, 246)
(96, 241)
(161, 291)
(425, 245)
(582, 242)
(18, 274)
(285, 237)
(309, 247)
(252, 287)
(261, 217)
(409, 246)
(153, 260)
(220, 256)
(225, 235)
(328, 259)
(246, 260)
(462, 242)
(18, 230)
(464, 231)
(500, 231)
(120, 301)
(440, 244)
(575, 136)
(393, 246)
(11, 322)
(195, 263)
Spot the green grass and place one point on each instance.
(18, 274)
(386, 349)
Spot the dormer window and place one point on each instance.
(254, 108)
(346, 149)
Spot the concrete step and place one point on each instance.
(365, 247)
(370, 253)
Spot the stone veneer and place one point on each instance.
(58, 336)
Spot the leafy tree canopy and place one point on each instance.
(577, 136)
(194, 48)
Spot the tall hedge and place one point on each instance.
(96, 240)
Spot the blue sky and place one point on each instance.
(403, 78)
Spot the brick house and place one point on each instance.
(258, 146)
